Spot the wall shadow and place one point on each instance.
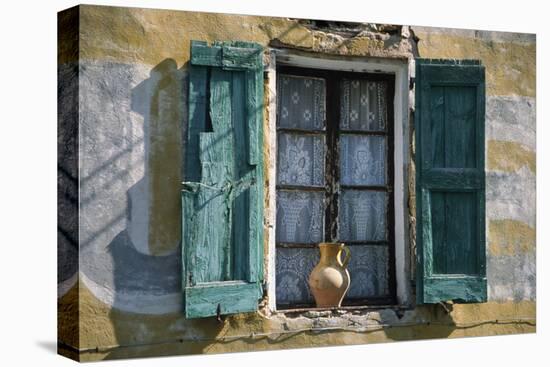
(432, 321)
(147, 296)
(67, 202)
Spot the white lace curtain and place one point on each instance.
(301, 162)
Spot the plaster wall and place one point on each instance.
(122, 118)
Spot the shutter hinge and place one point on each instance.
(218, 313)
(447, 306)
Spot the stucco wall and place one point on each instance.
(122, 118)
(510, 149)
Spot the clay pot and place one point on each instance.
(329, 280)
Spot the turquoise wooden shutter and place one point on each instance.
(222, 195)
(450, 180)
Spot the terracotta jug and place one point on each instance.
(329, 280)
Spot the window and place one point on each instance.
(343, 154)
(334, 181)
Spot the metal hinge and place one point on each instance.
(219, 313)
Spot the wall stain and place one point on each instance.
(148, 36)
(510, 238)
(165, 158)
(509, 156)
(510, 66)
(295, 34)
(107, 333)
(68, 326)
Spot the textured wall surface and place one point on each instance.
(510, 150)
(122, 117)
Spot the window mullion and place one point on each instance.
(332, 177)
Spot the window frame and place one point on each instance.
(402, 102)
(333, 187)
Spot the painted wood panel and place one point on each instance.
(449, 124)
(232, 55)
(454, 221)
(221, 298)
(222, 195)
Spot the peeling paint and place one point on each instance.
(510, 65)
(510, 237)
(294, 33)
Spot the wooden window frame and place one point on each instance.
(333, 187)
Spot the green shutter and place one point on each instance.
(222, 195)
(450, 180)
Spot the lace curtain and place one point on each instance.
(363, 105)
(301, 159)
(301, 155)
(368, 270)
(301, 102)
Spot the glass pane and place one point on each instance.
(300, 159)
(301, 102)
(363, 105)
(368, 270)
(293, 266)
(363, 160)
(300, 216)
(362, 215)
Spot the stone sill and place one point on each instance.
(342, 313)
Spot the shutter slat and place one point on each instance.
(253, 96)
(244, 174)
(197, 124)
(213, 249)
(450, 181)
(231, 297)
(227, 55)
(452, 74)
(238, 58)
(201, 54)
(452, 178)
(254, 85)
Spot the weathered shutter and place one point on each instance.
(450, 180)
(222, 193)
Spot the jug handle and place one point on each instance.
(345, 262)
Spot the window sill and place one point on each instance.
(326, 311)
